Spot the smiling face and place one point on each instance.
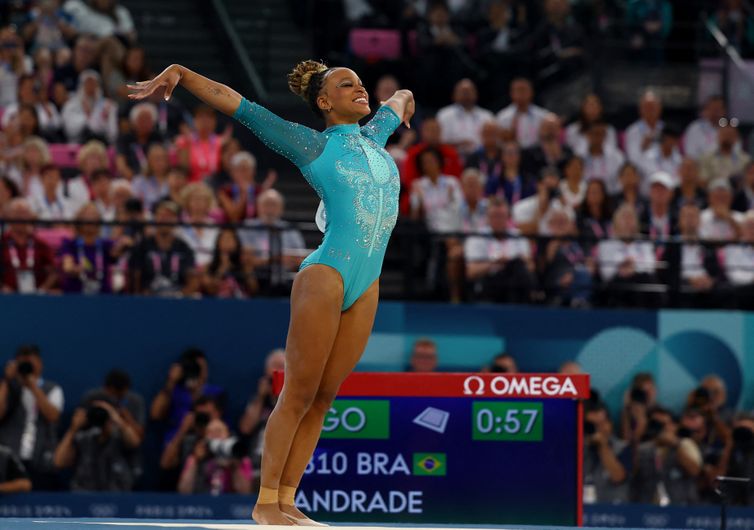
(343, 93)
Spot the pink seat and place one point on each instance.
(375, 44)
(65, 155)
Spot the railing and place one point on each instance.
(420, 265)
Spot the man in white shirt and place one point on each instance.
(522, 116)
(664, 157)
(500, 266)
(701, 134)
(739, 259)
(30, 408)
(462, 121)
(719, 222)
(602, 162)
(645, 132)
(51, 203)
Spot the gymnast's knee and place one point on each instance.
(297, 401)
(323, 400)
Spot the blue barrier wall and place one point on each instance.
(81, 338)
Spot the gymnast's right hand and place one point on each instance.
(169, 78)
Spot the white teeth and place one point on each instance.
(360, 100)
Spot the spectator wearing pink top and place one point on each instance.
(200, 151)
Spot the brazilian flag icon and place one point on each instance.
(430, 464)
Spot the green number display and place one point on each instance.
(515, 421)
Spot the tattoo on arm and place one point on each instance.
(214, 90)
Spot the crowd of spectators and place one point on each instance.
(508, 204)
(641, 452)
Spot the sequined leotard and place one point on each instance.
(356, 179)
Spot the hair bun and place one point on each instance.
(300, 76)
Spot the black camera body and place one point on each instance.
(25, 368)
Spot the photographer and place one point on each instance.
(607, 459)
(186, 382)
(217, 464)
(667, 463)
(13, 476)
(98, 445)
(741, 461)
(30, 407)
(638, 399)
(116, 391)
(259, 408)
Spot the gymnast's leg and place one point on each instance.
(353, 334)
(316, 301)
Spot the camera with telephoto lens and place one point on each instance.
(201, 420)
(96, 417)
(25, 368)
(191, 369)
(590, 428)
(232, 447)
(639, 395)
(700, 398)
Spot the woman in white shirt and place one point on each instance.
(573, 186)
(576, 132)
(435, 197)
(88, 113)
(197, 201)
(627, 266)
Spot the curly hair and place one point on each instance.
(306, 80)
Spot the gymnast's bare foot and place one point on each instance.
(270, 514)
(297, 516)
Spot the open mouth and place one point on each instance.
(361, 101)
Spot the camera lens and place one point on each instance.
(96, 416)
(25, 368)
(201, 419)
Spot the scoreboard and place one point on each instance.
(450, 448)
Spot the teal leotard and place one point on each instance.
(356, 179)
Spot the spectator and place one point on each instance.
(530, 215)
(503, 363)
(87, 260)
(27, 262)
(640, 397)
(512, 183)
(230, 274)
(738, 261)
(102, 193)
(8, 192)
(132, 147)
(473, 203)
(92, 157)
(30, 408)
(701, 134)
(222, 178)
(200, 151)
(558, 42)
(187, 381)
(741, 460)
(30, 94)
(177, 182)
(423, 356)
(98, 446)
(462, 121)
(435, 197)
(658, 221)
(666, 465)
(699, 268)
(51, 203)
(47, 27)
(571, 368)
(238, 200)
(13, 64)
(499, 264)
(744, 198)
(573, 186)
(192, 428)
(689, 191)
(487, 157)
(664, 156)
(595, 214)
(213, 467)
(626, 264)
(550, 151)
(591, 112)
(718, 396)
(197, 201)
(522, 116)
(84, 57)
(630, 184)
(728, 160)
(258, 409)
(163, 264)
(718, 221)
(600, 162)
(88, 114)
(649, 22)
(25, 123)
(644, 133)
(116, 390)
(13, 475)
(607, 460)
(101, 18)
(566, 272)
(26, 174)
(429, 137)
(152, 185)
(132, 68)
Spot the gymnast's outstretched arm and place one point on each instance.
(298, 143)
